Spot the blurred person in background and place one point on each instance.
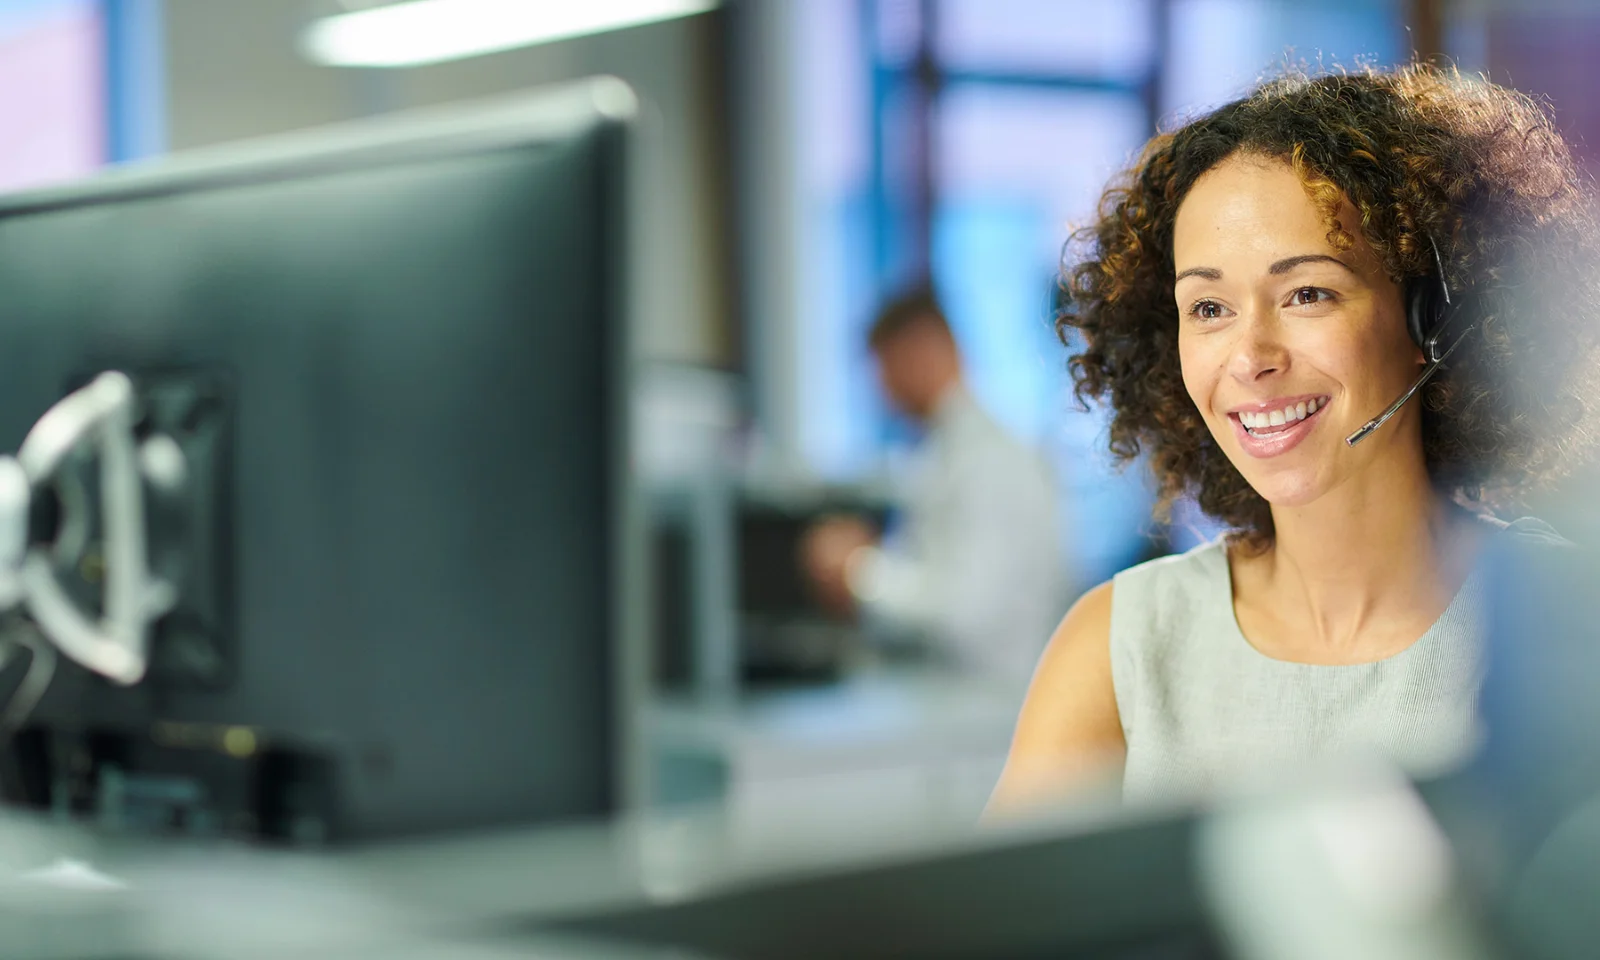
(974, 569)
(1260, 287)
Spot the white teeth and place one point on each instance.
(1252, 420)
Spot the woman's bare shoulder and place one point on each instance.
(1075, 670)
(1069, 730)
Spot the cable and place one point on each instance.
(41, 670)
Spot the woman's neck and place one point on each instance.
(1362, 572)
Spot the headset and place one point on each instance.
(1431, 317)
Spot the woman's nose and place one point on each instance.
(1259, 351)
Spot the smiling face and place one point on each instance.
(1288, 344)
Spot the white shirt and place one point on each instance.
(977, 564)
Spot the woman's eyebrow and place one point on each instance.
(1204, 273)
(1289, 263)
(1278, 267)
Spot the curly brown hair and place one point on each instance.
(1428, 158)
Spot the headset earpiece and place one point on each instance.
(1426, 304)
(1430, 314)
(1429, 311)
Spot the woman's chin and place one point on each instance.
(1289, 489)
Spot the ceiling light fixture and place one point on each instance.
(417, 32)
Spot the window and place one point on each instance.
(52, 106)
(1220, 48)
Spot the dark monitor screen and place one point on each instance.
(410, 336)
(771, 583)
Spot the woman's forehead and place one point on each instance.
(1255, 207)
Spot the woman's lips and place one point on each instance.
(1272, 433)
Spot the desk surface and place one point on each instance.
(1090, 875)
(890, 741)
(406, 899)
(877, 705)
(421, 898)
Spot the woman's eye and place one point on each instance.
(1306, 296)
(1206, 310)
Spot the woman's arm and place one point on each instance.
(1069, 735)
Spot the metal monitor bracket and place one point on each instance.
(100, 417)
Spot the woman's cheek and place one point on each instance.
(1202, 368)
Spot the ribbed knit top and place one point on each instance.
(1200, 705)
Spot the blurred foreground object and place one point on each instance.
(1348, 866)
(1531, 807)
(376, 572)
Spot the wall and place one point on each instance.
(233, 73)
(1548, 48)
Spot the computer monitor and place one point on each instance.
(786, 634)
(395, 353)
(1128, 890)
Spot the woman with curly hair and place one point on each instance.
(1316, 310)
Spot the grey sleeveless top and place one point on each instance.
(1200, 705)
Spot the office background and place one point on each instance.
(806, 160)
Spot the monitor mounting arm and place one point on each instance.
(98, 418)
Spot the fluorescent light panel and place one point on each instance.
(419, 32)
